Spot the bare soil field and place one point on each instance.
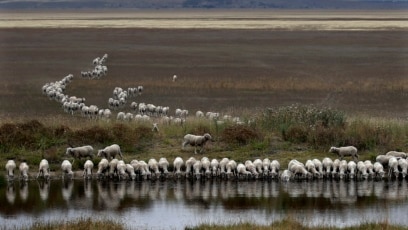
(232, 70)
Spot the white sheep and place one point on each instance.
(205, 162)
(403, 165)
(44, 169)
(251, 167)
(362, 170)
(396, 154)
(351, 169)
(189, 165)
(196, 140)
(336, 165)
(23, 167)
(10, 166)
(275, 167)
(298, 169)
(88, 167)
(345, 151)
(197, 169)
(343, 169)
(327, 166)
(383, 159)
(103, 167)
(110, 152)
(286, 175)
(223, 163)
(370, 168)
(393, 167)
(177, 164)
(242, 171)
(80, 152)
(154, 167)
(266, 163)
(258, 166)
(199, 114)
(231, 167)
(144, 169)
(214, 167)
(319, 166)
(66, 168)
(113, 170)
(310, 166)
(155, 128)
(130, 170)
(379, 170)
(164, 165)
(174, 78)
(121, 167)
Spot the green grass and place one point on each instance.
(285, 133)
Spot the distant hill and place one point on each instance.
(162, 4)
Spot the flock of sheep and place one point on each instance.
(393, 164)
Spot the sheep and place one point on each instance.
(379, 170)
(155, 128)
(154, 166)
(362, 170)
(88, 166)
(199, 114)
(121, 167)
(251, 167)
(130, 170)
(327, 165)
(103, 167)
(144, 169)
(258, 166)
(10, 166)
(164, 165)
(342, 169)
(174, 78)
(345, 151)
(274, 166)
(403, 165)
(319, 166)
(298, 169)
(205, 162)
(383, 159)
(177, 164)
(286, 175)
(80, 152)
(396, 154)
(195, 141)
(351, 169)
(214, 167)
(110, 152)
(266, 163)
(223, 163)
(231, 167)
(310, 166)
(242, 171)
(370, 168)
(23, 167)
(393, 167)
(66, 168)
(336, 165)
(197, 169)
(113, 171)
(189, 165)
(44, 169)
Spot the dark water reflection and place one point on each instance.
(184, 203)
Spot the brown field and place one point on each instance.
(226, 70)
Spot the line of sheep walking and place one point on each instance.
(112, 166)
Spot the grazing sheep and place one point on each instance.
(154, 167)
(66, 168)
(10, 166)
(327, 166)
(144, 169)
(319, 166)
(396, 154)
(23, 167)
(242, 171)
(195, 141)
(214, 167)
(223, 163)
(258, 166)
(199, 114)
(379, 170)
(393, 167)
(110, 152)
(164, 165)
(351, 168)
(403, 165)
(206, 166)
(251, 167)
(342, 169)
(310, 166)
(103, 167)
(231, 167)
(88, 166)
(174, 78)
(298, 169)
(274, 166)
(345, 151)
(177, 164)
(80, 152)
(44, 169)
(286, 175)
(197, 169)
(362, 170)
(336, 165)
(383, 159)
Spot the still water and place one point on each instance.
(177, 204)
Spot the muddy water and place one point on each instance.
(177, 204)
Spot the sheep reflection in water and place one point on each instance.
(44, 189)
(23, 191)
(10, 193)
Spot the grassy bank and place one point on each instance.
(283, 133)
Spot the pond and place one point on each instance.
(176, 204)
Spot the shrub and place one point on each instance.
(239, 134)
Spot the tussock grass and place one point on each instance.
(85, 224)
